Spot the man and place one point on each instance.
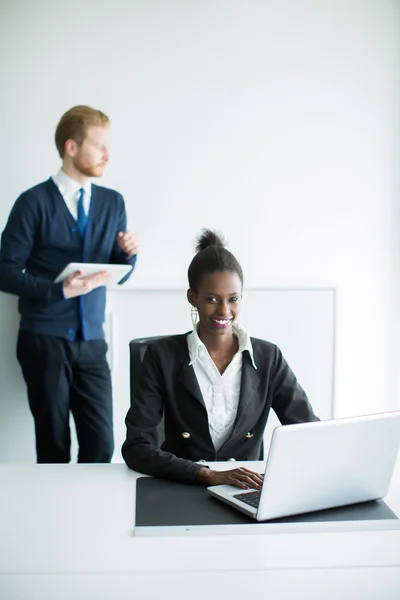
(61, 347)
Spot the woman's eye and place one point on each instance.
(211, 299)
(235, 299)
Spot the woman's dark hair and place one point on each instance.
(211, 256)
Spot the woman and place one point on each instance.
(215, 385)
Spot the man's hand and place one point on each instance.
(76, 285)
(240, 477)
(128, 242)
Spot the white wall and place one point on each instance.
(274, 121)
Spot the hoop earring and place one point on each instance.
(194, 315)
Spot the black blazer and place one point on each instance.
(168, 386)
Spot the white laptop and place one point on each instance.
(320, 465)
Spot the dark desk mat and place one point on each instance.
(160, 502)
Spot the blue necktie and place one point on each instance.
(82, 216)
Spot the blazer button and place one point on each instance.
(186, 435)
(249, 435)
(232, 459)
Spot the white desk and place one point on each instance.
(66, 532)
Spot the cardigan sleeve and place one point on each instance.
(17, 242)
(117, 255)
(289, 400)
(140, 450)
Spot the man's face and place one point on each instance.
(92, 156)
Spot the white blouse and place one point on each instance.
(220, 392)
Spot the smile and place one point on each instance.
(221, 322)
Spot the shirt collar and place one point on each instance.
(195, 343)
(67, 185)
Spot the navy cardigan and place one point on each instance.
(41, 237)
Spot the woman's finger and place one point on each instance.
(249, 482)
(253, 472)
(246, 474)
(249, 478)
(238, 483)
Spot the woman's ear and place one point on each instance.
(191, 296)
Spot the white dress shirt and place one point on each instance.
(220, 392)
(70, 191)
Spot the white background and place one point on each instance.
(275, 121)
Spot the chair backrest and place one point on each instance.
(137, 349)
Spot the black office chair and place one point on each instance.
(137, 349)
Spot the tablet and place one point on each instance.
(117, 272)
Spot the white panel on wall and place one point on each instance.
(300, 322)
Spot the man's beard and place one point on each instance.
(88, 169)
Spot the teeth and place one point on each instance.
(222, 321)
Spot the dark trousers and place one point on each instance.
(63, 376)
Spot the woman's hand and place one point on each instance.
(240, 477)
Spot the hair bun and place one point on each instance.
(207, 238)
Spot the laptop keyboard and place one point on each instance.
(252, 498)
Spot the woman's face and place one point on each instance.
(218, 300)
